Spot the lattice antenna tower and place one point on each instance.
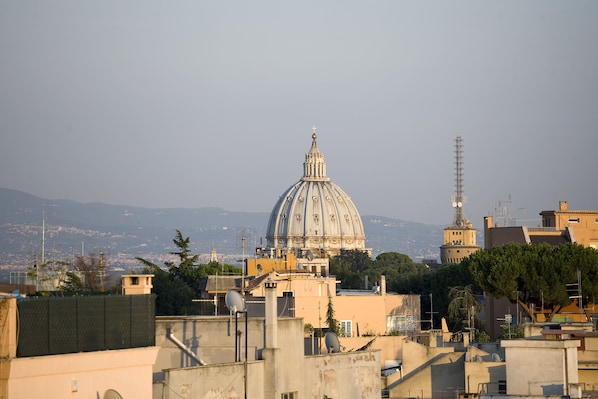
(459, 198)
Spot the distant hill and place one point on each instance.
(124, 232)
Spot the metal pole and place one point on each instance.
(245, 365)
(236, 336)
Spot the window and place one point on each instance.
(134, 280)
(346, 327)
(289, 395)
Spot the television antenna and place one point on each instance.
(236, 304)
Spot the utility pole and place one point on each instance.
(102, 272)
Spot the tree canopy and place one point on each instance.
(538, 274)
(177, 284)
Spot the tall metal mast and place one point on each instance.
(459, 198)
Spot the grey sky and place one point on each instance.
(210, 103)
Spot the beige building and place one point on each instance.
(551, 363)
(558, 227)
(34, 364)
(359, 312)
(233, 356)
(542, 368)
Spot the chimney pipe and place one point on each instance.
(271, 315)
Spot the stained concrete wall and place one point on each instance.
(390, 347)
(485, 377)
(415, 354)
(540, 367)
(216, 381)
(283, 369)
(443, 376)
(353, 375)
(212, 339)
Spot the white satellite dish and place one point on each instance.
(234, 301)
(332, 343)
(309, 255)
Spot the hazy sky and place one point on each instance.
(211, 103)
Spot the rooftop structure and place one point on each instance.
(558, 227)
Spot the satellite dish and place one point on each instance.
(496, 357)
(234, 301)
(454, 204)
(260, 268)
(309, 255)
(332, 343)
(299, 266)
(112, 394)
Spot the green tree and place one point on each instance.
(186, 269)
(536, 274)
(441, 280)
(178, 285)
(349, 267)
(463, 307)
(72, 283)
(331, 322)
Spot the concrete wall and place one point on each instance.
(213, 339)
(390, 347)
(441, 377)
(281, 370)
(414, 355)
(79, 375)
(8, 334)
(215, 381)
(540, 367)
(353, 375)
(485, 377)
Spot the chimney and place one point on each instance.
(382, 285)
(271, 315)
(563, 206)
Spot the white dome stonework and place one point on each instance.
(315, 214)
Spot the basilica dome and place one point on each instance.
(315, 216)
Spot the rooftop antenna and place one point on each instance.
(236, 304)
(458, 199)
(502, 211)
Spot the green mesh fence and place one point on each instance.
(85, 323)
